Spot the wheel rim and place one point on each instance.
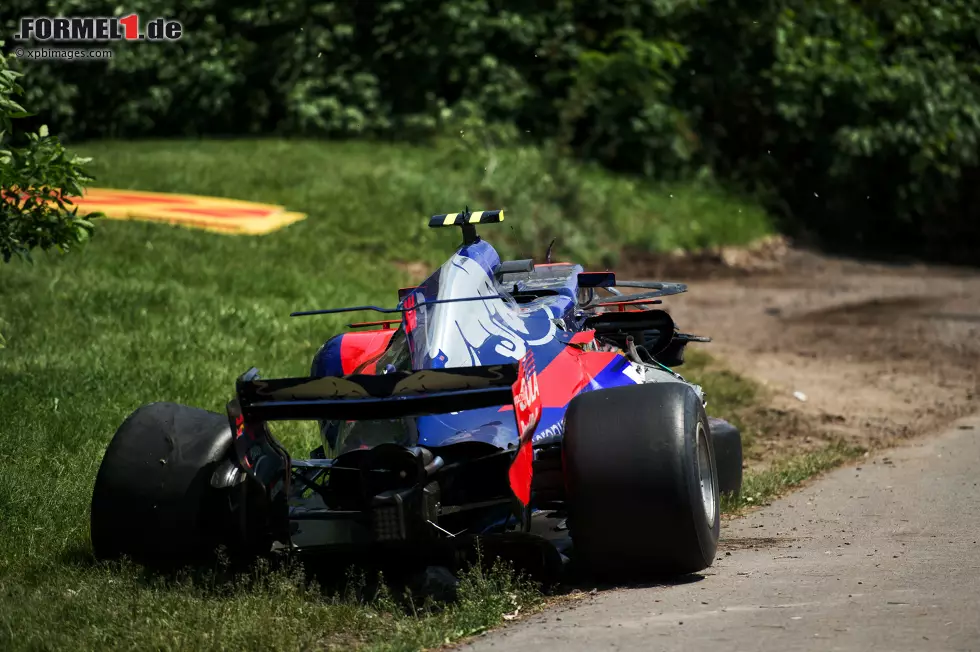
(705, 475)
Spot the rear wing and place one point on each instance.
(369, 396)
(384, 396)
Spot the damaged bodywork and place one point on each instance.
(451, 420)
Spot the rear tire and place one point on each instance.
(641, 481)
(153, 499)
(727, 441)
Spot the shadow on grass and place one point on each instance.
(364, 581)
(78, 555)
(402, 583)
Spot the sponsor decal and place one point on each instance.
(553, 432)
(411, 317)
(527, 399)
(527, 412)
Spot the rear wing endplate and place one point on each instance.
(466, 217)
(467, 220)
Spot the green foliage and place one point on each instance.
(887, 102)
(859, 121)
(623, 96)
(863, 118)
(37, 182)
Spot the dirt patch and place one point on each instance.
(754, 543)
(765, 255)
(867, 352)
(413, 268)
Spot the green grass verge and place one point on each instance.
(786, 474)
(374, 198)
(730, 396)
(148, 312)
(742, 401)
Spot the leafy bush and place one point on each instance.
(37, 182)
(624, 99)
(887, 105)
(863, 119)
(859, 121)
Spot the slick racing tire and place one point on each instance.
(153, 499)
(727, 441)
(641, 479)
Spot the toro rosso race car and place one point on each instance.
(501, 392)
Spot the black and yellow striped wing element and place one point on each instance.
(459, 219)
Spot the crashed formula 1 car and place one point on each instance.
(504, 390)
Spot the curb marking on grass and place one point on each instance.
(215, 214)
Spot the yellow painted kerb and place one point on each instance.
(215, 214)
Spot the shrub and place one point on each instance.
(860, 121)
(37, 182)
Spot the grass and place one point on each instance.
(730, 396)
(121, 607)
(743, 402)
(374, 198)
(788, 473)
(148, 312)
